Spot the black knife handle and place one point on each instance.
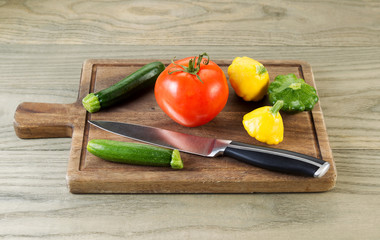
(277, 159)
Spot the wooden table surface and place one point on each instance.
(44, 43)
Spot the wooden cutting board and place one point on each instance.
(304, 132)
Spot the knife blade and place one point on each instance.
(269, 158)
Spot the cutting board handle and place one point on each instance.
(44, 120)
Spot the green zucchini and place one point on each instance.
(135, 153)
(143, 78)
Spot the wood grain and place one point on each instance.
(44, 43)
(33, 184)
(346, 78)
(90, 174)
(268, 23)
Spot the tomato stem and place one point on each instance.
(194, 65)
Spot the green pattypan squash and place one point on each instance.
(297, 95)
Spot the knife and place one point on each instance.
(269, 158)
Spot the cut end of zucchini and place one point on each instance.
(91, 103)
(176, 162)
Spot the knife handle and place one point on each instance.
(277, 159)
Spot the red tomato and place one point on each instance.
(188, 99)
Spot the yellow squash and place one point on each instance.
(265, 124)
(249, 78)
